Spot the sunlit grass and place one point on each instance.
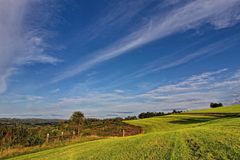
(177, 137)
(227, 109)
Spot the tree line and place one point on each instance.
(32, 132)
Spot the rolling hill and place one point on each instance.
(200, 134)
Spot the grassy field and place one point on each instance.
(194, 135)
(219, 110)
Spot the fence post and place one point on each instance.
(47, 138)
(62, 135)
(74, 134)
(123, 132)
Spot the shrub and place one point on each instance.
(215, 105)
(150, 114)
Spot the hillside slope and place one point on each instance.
(191, 136)
(220, 110)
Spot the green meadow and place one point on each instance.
(211, 134)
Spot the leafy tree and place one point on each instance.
(150, 114)
(175, 111)
(130, 118)
(215, 105)
(77, 119)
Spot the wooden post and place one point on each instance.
(47, 138)
(62, 135)
(74, 134)
(123, 132)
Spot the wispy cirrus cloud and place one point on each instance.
(18, 98)
(193, 92)
(124, 11)
(185, 57)
(192, 83)
(218, 13)
(199, 90)
(209, 50)
(20, 43)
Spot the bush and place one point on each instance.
(130, 118)
(176, 112)
(215, 105)
(150, 114)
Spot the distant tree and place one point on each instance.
(215, 105)
(150, 114)
(130, 118)
(77, 120)
(175, 111)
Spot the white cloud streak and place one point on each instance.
(194, 82)
(189, 16)
(200, 89)
(17, 98)
(194, 92)
(170, 62)
(19, 43)
(124, 11)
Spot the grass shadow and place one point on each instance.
(192, 120)
(214, 116)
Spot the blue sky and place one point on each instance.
(115, 58)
